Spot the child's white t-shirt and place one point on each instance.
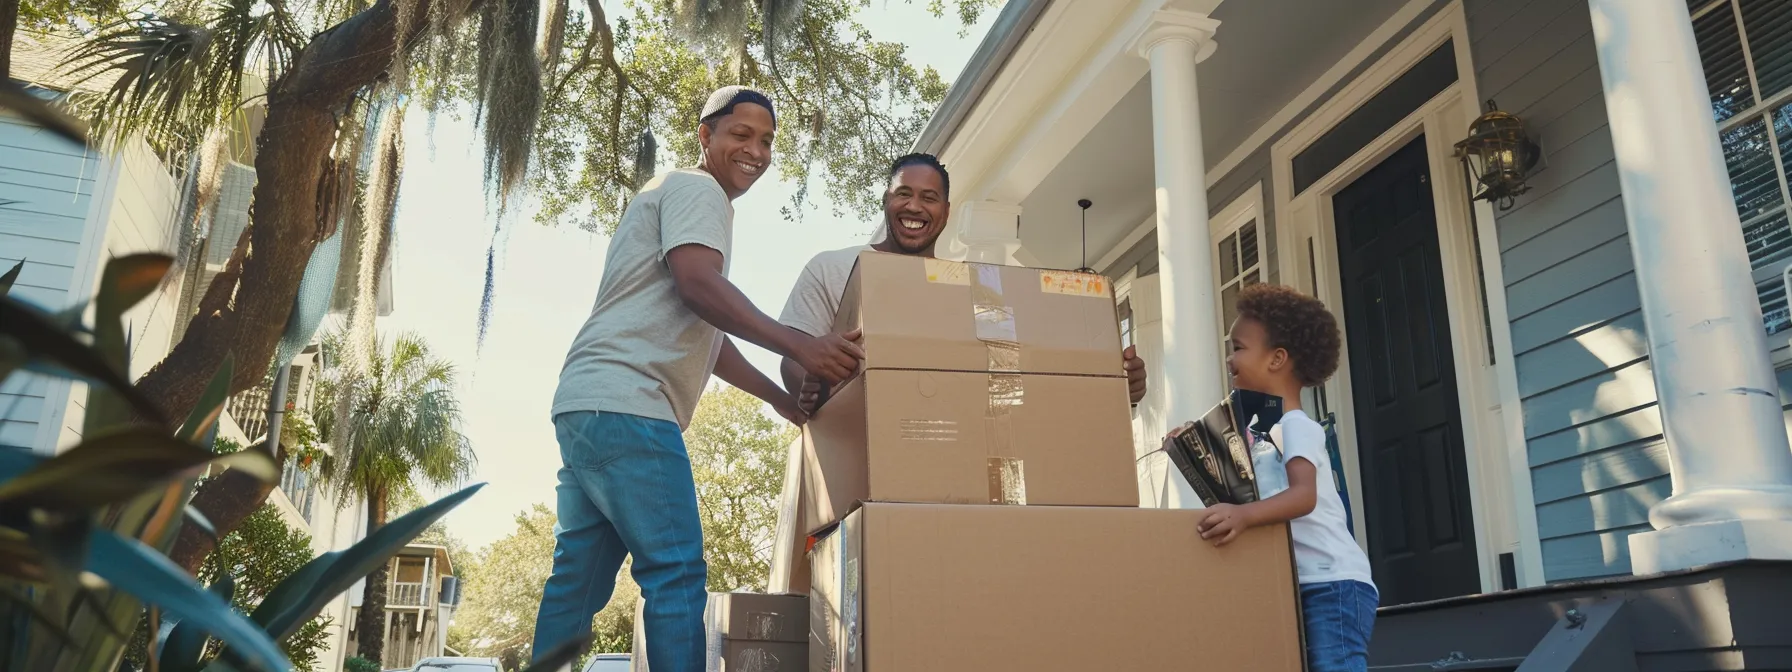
(1323, 549)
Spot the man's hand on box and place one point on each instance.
(792, 410)
(1135, 373)
(833, 358)
(809, 395)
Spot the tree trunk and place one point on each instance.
(302, 108)
(370, 623)
(9, 24)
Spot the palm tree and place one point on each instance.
(392, 421)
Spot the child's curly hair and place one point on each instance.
(1297, 323)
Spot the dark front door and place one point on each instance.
(1403, 380)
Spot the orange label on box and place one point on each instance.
(947, 272)
(1074, 284)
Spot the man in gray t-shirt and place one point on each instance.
(916, 205)
(631, 383)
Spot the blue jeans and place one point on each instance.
(1340, 616)
(626, 488)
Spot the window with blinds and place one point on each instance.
(1745, 47)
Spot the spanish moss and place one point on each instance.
(553, 36)
(379, 211)
(509, 88)
(485, 298)
(214, 156)
(722, 26)
(776, 18)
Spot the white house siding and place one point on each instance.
(48, 186)
(68, 198)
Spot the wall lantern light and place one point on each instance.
(1498, 155)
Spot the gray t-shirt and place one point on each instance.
(816, 297)
(642, 352)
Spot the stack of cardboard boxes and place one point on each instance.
(970, 500)
(745, 631)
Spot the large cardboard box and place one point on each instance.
(952, 437)
(910, 587)
(745, 631)
(921, 313)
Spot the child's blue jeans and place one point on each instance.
(1339, 616)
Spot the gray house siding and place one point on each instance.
(46, 191)
(1594, 440)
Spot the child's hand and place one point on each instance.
(1223, 523)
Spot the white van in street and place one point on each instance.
(609, 662)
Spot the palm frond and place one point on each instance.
(175, 78)
(403, 424)
(160, 64)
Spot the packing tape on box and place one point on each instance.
(996, 329)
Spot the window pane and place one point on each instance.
(1249, 278)
(1720, 50)
(1247, 245)
(1769, 27)
(1229, 257)
(1750, 160)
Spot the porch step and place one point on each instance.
(1728, 617)
(1454, 662)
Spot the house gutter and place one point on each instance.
(1005, 35)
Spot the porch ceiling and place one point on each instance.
(1270, 51)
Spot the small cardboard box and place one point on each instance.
(900, 587)
(951, 437)
(744, 631)
(922, 313)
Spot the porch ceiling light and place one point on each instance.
(1499, 155)
(1085, 204)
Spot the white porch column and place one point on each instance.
(989, 230)
(1727, 445)
(1174, 42)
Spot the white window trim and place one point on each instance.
(1762, 110)
(1122, 294)
(1246, 209)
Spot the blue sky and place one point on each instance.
(547, 279)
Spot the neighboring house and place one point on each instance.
(64, 211)
(1497, 405)
(421, 596)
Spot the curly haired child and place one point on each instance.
(1282, 342)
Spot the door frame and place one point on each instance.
(1500, 496)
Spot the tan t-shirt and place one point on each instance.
(642, 352)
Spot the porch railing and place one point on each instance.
(406, 595)
(250, 411)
